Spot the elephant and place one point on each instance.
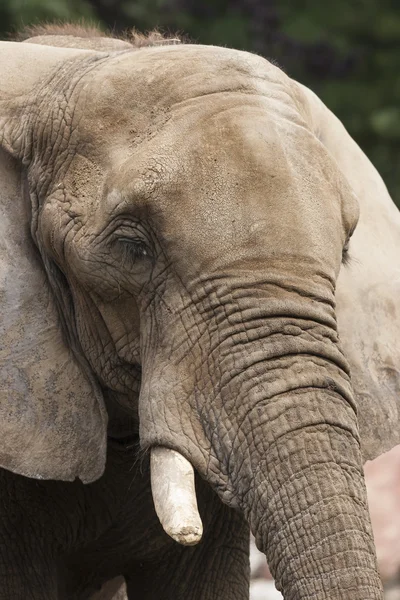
(199, 300)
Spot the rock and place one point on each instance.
(392, 593)
(262, 589)
(383, 487)
(258, 563)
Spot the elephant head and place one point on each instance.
(174, 225)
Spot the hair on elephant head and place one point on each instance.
(174, 223)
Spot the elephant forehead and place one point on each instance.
(137, 90)
(177, 73)
(217, 138)
(207, 151)
(238, 173)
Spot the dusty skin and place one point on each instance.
(177, 274)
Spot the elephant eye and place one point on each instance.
(134, 249)
(345, 253)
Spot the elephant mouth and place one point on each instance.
(174, 495)
(124, 441)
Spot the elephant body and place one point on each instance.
(66, 540)
(177, 298)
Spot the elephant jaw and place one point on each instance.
(174, 495)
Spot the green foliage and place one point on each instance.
(16, 14)
(366, 97)
(345, 51)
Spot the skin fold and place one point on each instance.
(174, 224)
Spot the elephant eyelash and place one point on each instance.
(346, 257)
(134, 249)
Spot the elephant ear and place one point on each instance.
(52, 417)
(368, 288)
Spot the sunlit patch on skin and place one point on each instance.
(113, 199)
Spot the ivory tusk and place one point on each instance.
(174, 495)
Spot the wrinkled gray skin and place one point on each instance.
(173, 221)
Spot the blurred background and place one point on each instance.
(349, 54)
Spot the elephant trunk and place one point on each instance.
(292, 455)
(306, 499)
(266, 415)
